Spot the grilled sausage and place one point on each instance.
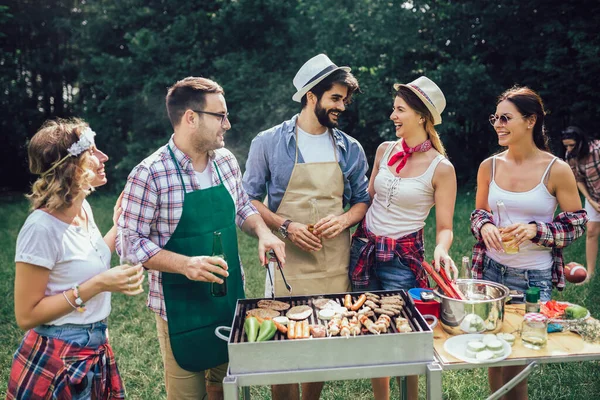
(359, 303)
(299, 329)
(348, 301)
(291, 334)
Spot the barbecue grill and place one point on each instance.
(281, 354)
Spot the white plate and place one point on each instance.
(562, 321)
(457, 346)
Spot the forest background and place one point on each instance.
(111, 62)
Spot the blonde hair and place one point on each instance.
(63, 184)
(433, 135)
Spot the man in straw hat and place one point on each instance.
(310, 171)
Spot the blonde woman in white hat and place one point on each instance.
(409, 176)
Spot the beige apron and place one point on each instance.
(326, 270)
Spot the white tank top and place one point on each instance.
(536, 204)
(401, 205)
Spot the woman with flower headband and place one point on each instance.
(530, 182)
(63, 279)
(583, 156)
(409, 176)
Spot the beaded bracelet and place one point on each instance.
(69, 301)
(78, 301)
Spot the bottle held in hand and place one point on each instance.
(508, 242)
(314, 215)
(218, 289)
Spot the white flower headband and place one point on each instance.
(86, 140)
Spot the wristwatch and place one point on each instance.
(283, 229)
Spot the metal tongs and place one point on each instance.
(272, 256)
(445, 283)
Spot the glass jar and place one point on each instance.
(534, 331)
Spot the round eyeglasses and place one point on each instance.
(502, 119)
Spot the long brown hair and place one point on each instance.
(529, 103)
(65, 182)
(420, 108)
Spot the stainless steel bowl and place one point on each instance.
(482, 311)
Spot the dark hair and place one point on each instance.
(414, 102)
(582, 142)
(341, 77)
(189, 93)
(529, 103)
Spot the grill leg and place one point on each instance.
(230, 388)
(246, 392)
(434, 381)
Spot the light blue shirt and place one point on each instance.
(271, 161)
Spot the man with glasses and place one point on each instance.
(173, 204)
(311, 171)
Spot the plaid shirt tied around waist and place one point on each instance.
(561, 232)
(409, 248)
(46, 368)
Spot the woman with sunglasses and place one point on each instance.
(530, 182)
(583, 155)
(409, 176)
(63, 279)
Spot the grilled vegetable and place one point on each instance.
(251, 327)
(280, 327)
(575, 312)
(267, 331)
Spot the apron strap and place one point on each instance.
(177, 166)
(218, 172)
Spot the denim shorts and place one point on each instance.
(519, 279)
(389, 275)
(89, 335)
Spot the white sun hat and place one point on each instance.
(312, 72)
(430, 94)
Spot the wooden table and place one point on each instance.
(561, 347)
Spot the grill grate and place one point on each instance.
(409, 311)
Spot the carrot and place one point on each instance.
(280, 328)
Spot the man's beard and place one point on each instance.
(323, 116)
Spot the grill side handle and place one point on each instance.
(433, 318)
(220, 335)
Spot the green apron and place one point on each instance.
(192, 313)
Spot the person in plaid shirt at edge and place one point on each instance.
(173, 202)
(63, 279)
(409, 176)
(583, 155)
(530, 181)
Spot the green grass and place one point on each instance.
(133, 333)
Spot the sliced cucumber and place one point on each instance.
(494, 345)
(484, 355)
(475, 346)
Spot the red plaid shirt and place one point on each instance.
(45, 368)
(561, 232)
(153, 203)
(409, 248)
(587, 170)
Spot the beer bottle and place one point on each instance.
(314, 215)
(508, 242)
(218, 289)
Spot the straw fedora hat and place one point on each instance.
(312, 72)
(430, 94)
